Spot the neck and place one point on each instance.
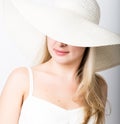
(64, 70)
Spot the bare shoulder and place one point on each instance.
(13, 93)
(18, 76)
(17, 80)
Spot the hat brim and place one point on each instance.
(65, 26)
(62, 27)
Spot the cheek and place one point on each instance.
(78, 51)
(50, 44)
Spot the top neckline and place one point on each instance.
(54, 105)
(46, 101)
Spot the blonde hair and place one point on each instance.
(89, 87)
(43, 54)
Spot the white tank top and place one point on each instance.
(38, 111)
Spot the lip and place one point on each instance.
(61, 52)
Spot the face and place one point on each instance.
(63, 53)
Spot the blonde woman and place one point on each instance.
(64, 87)
(65, 82)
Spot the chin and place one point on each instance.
(62, 61)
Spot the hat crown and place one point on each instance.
(89, 9)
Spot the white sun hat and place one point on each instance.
(74, 22)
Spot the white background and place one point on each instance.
(11, 57)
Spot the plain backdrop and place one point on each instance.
(11, 57)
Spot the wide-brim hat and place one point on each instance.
(74, 22)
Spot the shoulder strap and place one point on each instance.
(30, 80)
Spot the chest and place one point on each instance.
(38, 111)
(57, 91)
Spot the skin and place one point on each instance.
(54, 81)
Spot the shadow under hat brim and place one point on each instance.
(80, 33)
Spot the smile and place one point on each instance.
(61, 52)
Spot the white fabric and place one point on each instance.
(39, 111)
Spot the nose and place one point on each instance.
(62, 44)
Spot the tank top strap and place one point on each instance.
(30, 80)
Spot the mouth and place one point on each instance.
(61, 52)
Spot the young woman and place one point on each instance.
(65, 82)
(64, 87)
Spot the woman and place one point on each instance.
(64, 79)
(64, 87)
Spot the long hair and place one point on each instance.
(43, 54)
(89, 88)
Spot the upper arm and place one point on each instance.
(12, 95)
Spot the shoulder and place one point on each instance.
(13, 94)
(17, 80)
(18, 75)
(19, 72)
